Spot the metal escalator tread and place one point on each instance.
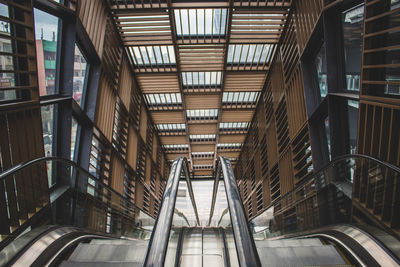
(100, 264)
(301, 256)
(298, 242)
(109, 253)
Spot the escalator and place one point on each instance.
(180, 237)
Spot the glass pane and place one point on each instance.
(6, 61)
(328, 136)
(80, 68)
(74, 129)
(48, 115)
(352, 20)
(320, 64)
(46, 29)
(352, 109)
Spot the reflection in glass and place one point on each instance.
(352, 110)
(74, 129)
(7, 79)
(46, 29)
(328, 136)
(200, 22)
(352, 20)
(48, 114)
(80, 68)
(320, 64)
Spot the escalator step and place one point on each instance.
(300, 256)
(100, 264)
(304, 242)
(109, 253)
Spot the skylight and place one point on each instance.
(171, 127)
(239, 98)
(176, 148)
(167, 99)
(202, 137)
(202, 114)
(200, 22)
(209, 78)
(200, 167)
(222, 146)
(153, 56)
(249, 54)
(203, 154)
(233, 126)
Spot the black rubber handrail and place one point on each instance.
(26, 164)
(334, 161)
(245, 247)
(158, 245)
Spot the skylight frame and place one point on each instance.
(153, 56)
(250, 55)
(171, 128)
(200, 79)
(163, 100)
(240, 98)
(202, 137)
(195, 23)
(201, 114)
(234, 126)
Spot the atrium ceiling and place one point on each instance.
(201, 66)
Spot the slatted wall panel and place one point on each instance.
(141, 161)
(126, 83)
(120, 129)
(105, 108)
(302, 159)
(135, 108)
(289, 50)
(306, 17)
(117, 174)
(93, 15)
(129, 181)
(274, 183)
(100, 157)
(282, 126)
(286, 172)
(296, 107)
(112, 54)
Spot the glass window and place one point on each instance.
(74, 130)
(48, 124)
(79, 80)
(352, 110)
(249, 54)
(7, 78)
(46, 29)
(353, 21)
(320, 64)
(153, 56)
(328, 135)
(212, 78)
(200, 22)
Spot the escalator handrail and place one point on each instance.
(26, 164)
(158, 245)
(329, 165)
(245, 246)
(214, 195)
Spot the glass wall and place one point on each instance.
(46, 35)
(6, 58)
(352, 20)
(320, 64)
(80, 74)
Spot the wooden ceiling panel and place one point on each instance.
(203, 172)
(173, 140)
(203, 128)
(158, 83)
(203, 148)
(237, 115)
(203, 161)
(232, 138)
(201, 57)
(229, 154)
(167, 117)
(244, 81)
(173, 156)
(202, 101)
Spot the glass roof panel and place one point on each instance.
(239, 98)
(163, 99)
(202, 114)
(249, 54)
(208, 78)
(234, 125)
(200, 22)
(153, 56)
(173, 127)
